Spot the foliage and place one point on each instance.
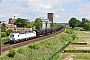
(20, 50)
(73, 22)
(65, 37)
(52, 25)
(71, 33)
(79, 23)
(20, 22)
(34, 46)
(76, 51)
(12, 52)
(9, 31)
(47, 48)
(3, 34)
(4, 39)
(38, 23)
(56, 24)
(84, 43)
(3, 29)
(76, 29)
(86, 25)
(30, 25)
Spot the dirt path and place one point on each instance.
(69, 57)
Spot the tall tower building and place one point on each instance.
(50, 17)
(84, 19)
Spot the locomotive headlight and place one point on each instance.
(12, 38)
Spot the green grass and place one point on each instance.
(75, 29)
(78, 56)
(82, 36)
(46, 49)
(82, 56)
(83, 33)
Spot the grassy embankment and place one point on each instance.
(40, 50)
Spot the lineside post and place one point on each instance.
(0, 41)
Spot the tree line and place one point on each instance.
(20, 22)
(73, 22)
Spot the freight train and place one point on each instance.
(18, 37)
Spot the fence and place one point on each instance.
(59, 51)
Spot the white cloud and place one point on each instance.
(57, 16)
(1, 15)
(39, 8)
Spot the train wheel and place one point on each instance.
(15, 42)
(22, 40)
(26, 39)
(19, 41)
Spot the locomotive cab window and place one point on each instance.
(18, 35)
(11, 35)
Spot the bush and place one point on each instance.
(4, 39)
(65, 37)
(9, 31)
(12, 52)
(69, 31)
(3, 34)
(73, 36)
(33, 46)
(76, 51)
(84, 43)
(20, 50)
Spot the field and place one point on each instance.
(83, 37)
(40, 50)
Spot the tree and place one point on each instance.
(3, 29)
(30, 25)
(38, 23)
(9, 31)
(56, 25)
(52, 25)
(86, 25)
(3, 34)
(20, 22)
(79, 23)
(73, 22)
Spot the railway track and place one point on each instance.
(8, 46)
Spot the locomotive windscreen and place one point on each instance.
(11, 35)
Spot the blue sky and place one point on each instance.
(32, 9)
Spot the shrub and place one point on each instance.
(69, 31)
(20, 50)
(4, 39)
(12, 52)
(84, 43)
(76, 51)
(3, 34)
(73, 36)
(65, 37)
(9, 31)
(33, 46)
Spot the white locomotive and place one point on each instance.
(17, 37)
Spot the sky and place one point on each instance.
(63, 10)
